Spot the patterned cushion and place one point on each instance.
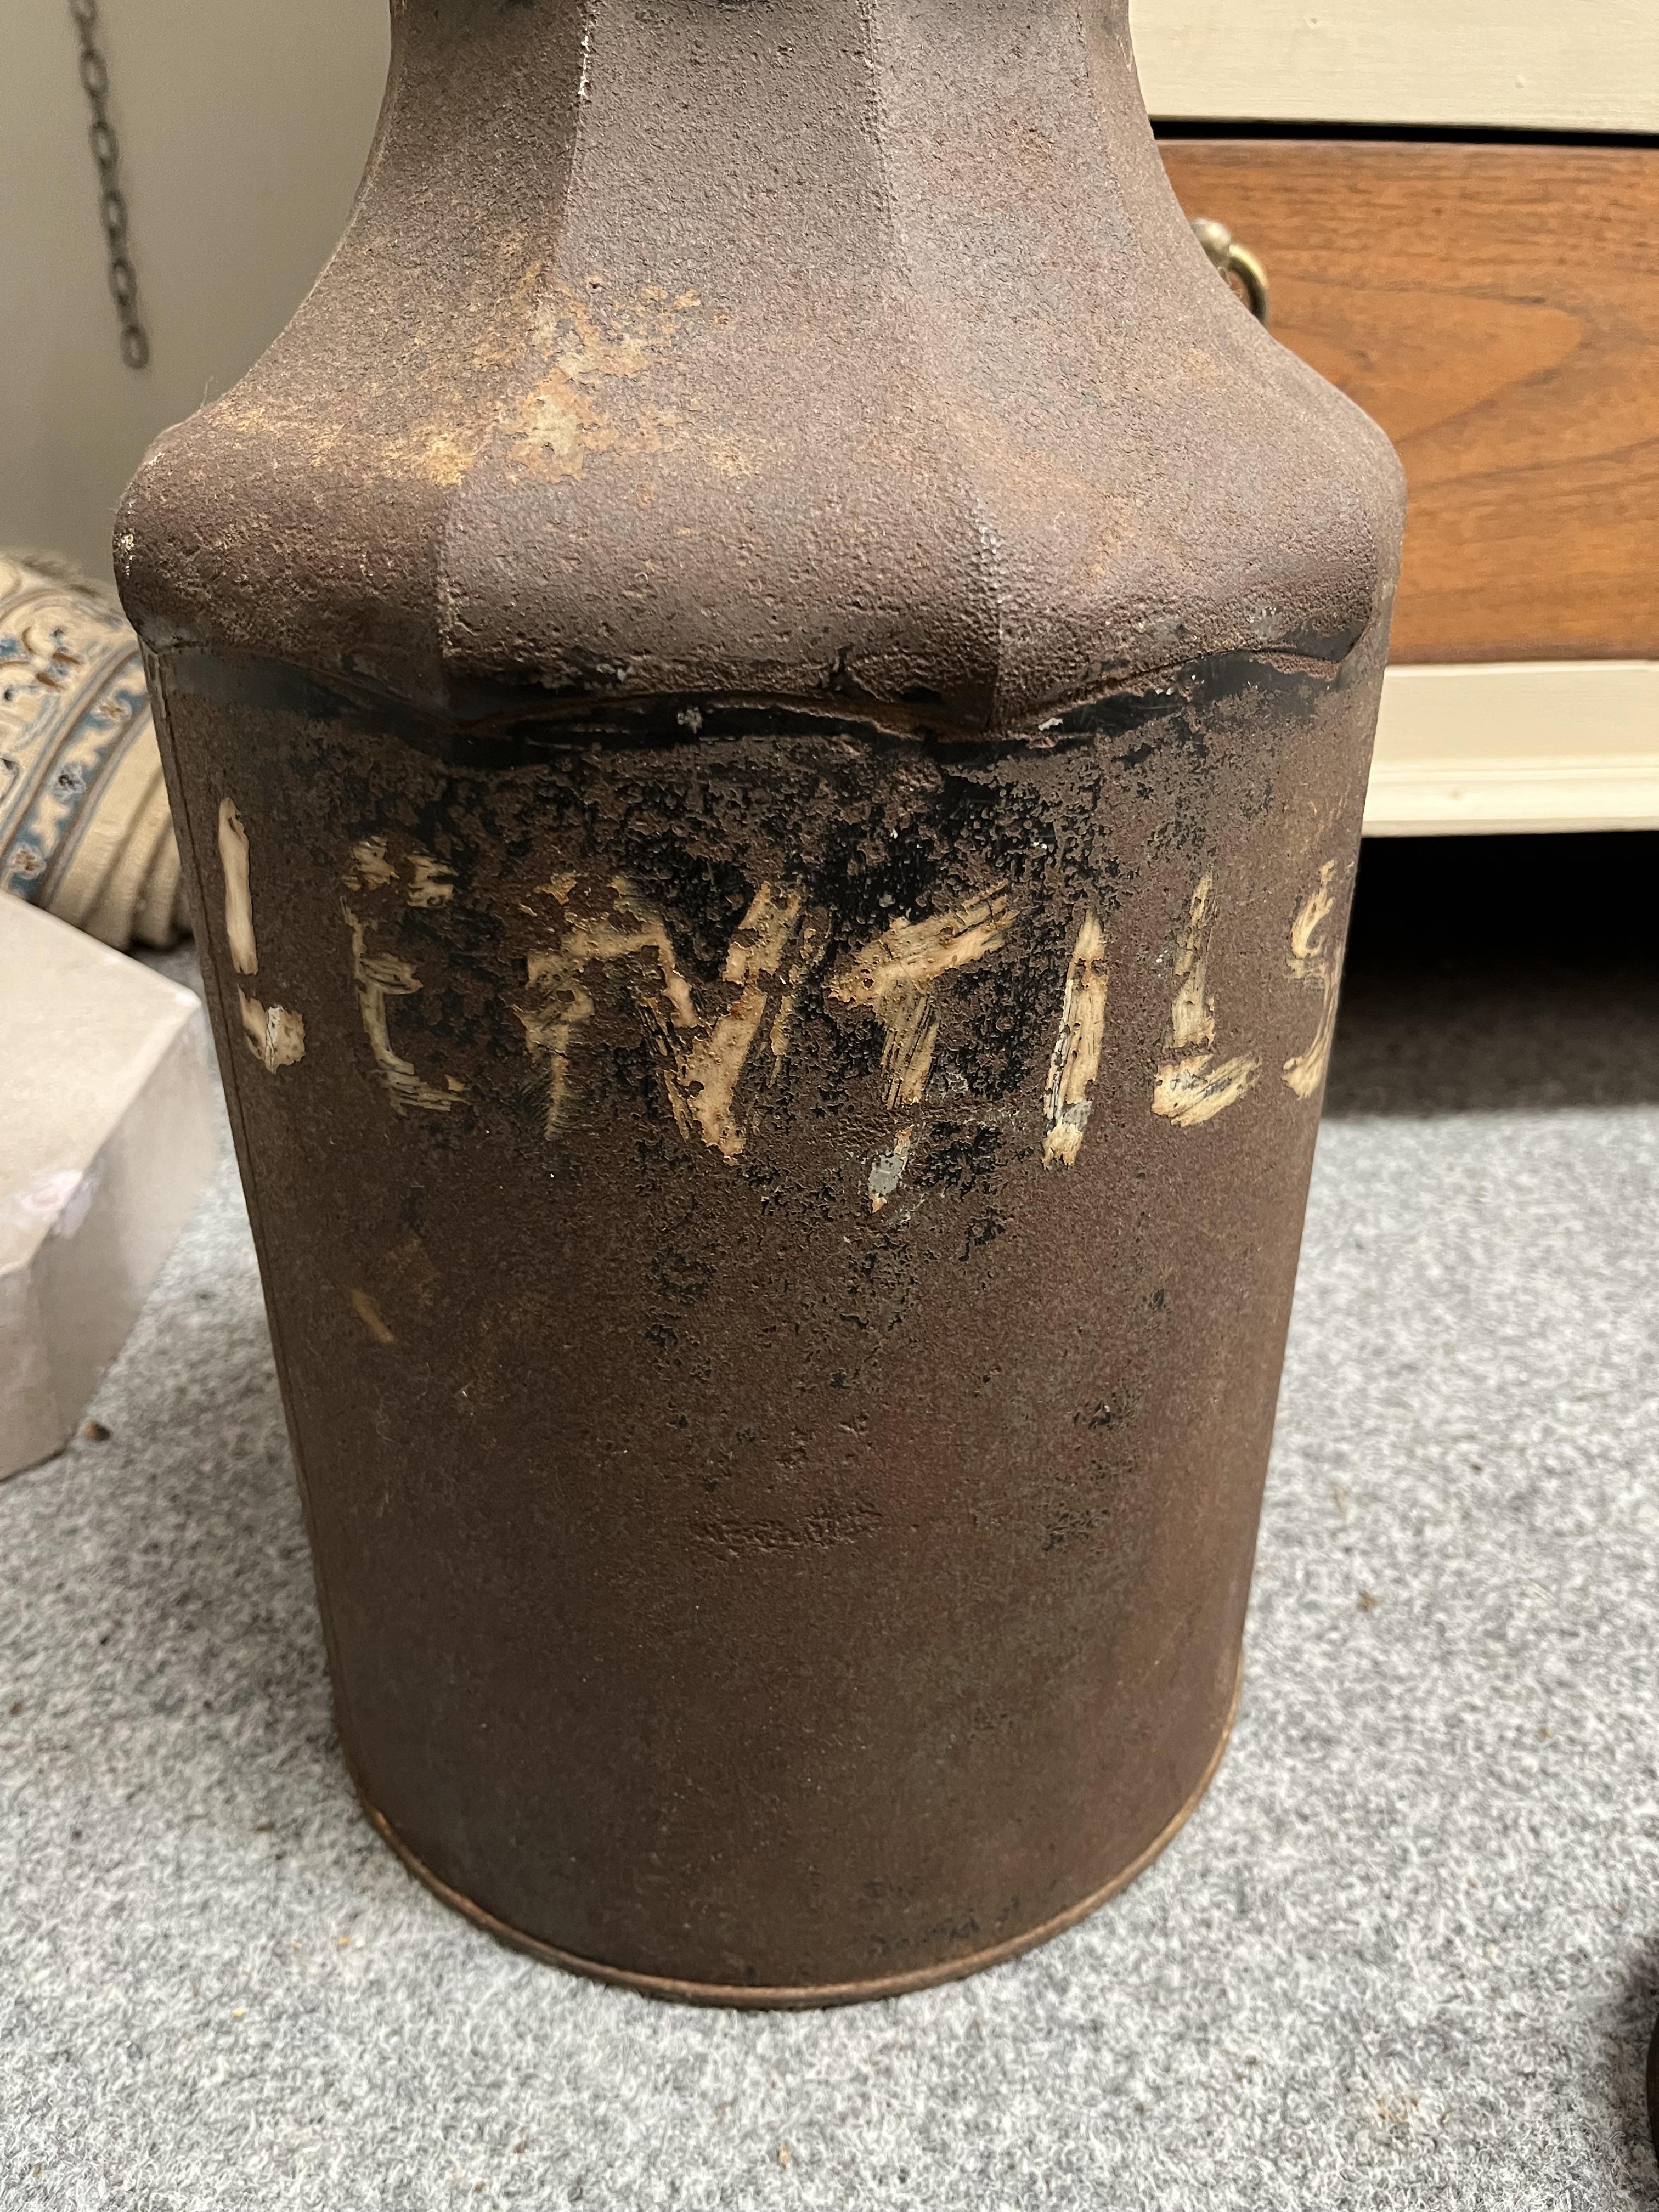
(84, 829)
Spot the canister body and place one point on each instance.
(779, 1236)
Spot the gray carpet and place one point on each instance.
(1407, 1953)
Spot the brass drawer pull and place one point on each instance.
(1233, 259)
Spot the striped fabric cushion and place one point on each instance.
(84, 829)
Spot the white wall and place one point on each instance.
(243, 127)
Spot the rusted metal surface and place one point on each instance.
(769, 694)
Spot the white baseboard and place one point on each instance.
(1516, 745)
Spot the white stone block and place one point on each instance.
(107, 1134)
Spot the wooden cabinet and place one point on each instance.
(1496, 308)
(1457, 202)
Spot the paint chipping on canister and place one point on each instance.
(1312, 962)
(897, 974)
(888, 1172)
(369, 1314)
(430, 883)
(809, 948)
(380, 976)
(275, 1036)
(703, 1056)
(1189, 1091)
(370, 870)
(1076, 1062)
(239, 896)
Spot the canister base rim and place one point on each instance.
(751, 1997)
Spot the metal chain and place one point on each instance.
(111, 201)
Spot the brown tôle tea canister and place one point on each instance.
(768, 695)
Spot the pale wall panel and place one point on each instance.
(243, 127)
(1500, 64)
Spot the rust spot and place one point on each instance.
(585, 347)
(369, 1314)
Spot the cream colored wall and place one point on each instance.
(243, 127)
(243, 123)
(1499, 65)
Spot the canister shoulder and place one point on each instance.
(956, 422)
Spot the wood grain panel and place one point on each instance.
(1497, 309)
